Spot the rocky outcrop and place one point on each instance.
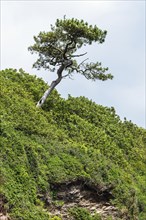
(78, 193)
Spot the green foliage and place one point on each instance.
(55, 218)
(81, 214)
(58, 46)
(64, 141)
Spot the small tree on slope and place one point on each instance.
(57, 51)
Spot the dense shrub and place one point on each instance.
(65, 140)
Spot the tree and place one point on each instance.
(57, 51)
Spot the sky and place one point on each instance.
(123, 51)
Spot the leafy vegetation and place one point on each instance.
(64, 141)
(82, 214)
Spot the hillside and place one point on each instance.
(70, 160)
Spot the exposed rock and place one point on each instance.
(4, 217)
(78, 193)
(3, 212)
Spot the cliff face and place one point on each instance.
(73, 159)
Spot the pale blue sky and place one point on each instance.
(123, 51)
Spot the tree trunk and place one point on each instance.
(48, 91)
(64, 65)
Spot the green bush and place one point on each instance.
(63, 141)
(83, 214)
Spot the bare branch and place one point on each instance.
(78, 55)
(65, 75)
(82, 62)
(69, 75)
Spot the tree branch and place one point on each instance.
(67, 48)
(66, 75)
(82, 62)
(78, 55)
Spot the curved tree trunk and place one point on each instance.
(64, 65)
(53, 85)
(48, 91)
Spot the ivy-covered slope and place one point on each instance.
(66, 141)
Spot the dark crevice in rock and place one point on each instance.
(70, 191)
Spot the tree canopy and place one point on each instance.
(57, 50)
